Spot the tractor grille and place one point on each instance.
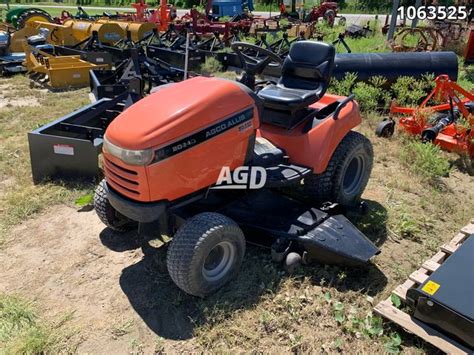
(122, 179)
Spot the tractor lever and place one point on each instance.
(341, 105)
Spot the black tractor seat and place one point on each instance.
(280, 97)
(305, 76)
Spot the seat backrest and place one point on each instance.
(308, 66)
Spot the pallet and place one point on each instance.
(409, 323)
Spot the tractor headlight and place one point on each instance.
(128, 156)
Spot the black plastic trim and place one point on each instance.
(137, 211)
(203, 135)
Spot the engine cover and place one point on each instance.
(195, 128)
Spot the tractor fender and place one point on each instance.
(312, 144)
(324, 140)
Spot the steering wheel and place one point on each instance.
(255, 64)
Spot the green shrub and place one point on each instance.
(367, 96)
(210, 66)
(343, 87)
(408, 227)
(424, 159)
(372, 96)
(377, 81)
(465, 78)
(409, 91)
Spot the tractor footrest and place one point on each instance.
(282, 174)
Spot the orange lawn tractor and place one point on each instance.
(449, 123)
(207, 158)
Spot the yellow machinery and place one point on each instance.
(108, 32)
(58, 34)
(70, 33)
(138, 30)
(61, 71)
(18, 37)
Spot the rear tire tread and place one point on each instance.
(321, 187)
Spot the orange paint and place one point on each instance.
(451, 138)
(180, 110)
(314, 149)
(172, 114)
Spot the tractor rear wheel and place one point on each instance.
(33, 15)
(107, 214)
(330, 17)
(347, 173)
(205, 253)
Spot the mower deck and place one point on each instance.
(272, 219)
(328, 239)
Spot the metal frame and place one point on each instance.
(68, 148)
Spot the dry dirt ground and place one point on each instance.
(116, 297)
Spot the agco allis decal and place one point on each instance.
(243, 119)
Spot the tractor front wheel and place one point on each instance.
(205, 253)
(346, 175)
(107, 214)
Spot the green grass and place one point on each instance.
(19, 197)
(424, 159)
(211, 66)
(22, 332)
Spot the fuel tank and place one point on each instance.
(195, 128)
(138, 30)
(108, 33)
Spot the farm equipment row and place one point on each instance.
(165, 14)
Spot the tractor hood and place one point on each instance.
(177, 110)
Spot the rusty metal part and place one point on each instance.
(428, 40)
(438, 35)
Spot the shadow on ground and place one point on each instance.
(373, 224)
(172, 314)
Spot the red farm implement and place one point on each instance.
(449, 123)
